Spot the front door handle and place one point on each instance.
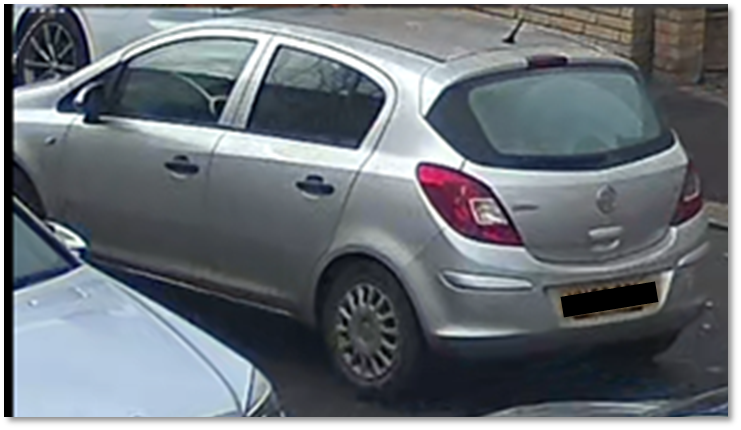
(315, 185)
(181, 165)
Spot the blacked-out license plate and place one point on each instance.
(609, 299)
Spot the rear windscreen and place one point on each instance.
(569, 117)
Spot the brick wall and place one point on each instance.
(679, 42)
(716, 40)
(626, 31)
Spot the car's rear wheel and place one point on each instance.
(26, 193)
(52, 45)
(371, 331)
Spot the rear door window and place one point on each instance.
(315, 99)
(568, 118)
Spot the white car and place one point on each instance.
(87, 346)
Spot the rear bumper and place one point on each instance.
(471, 308)
(573, 341)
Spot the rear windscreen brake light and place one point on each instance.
(546, 61)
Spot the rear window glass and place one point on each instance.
(570, 118)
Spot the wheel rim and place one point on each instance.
(367, 332)
(50, 53)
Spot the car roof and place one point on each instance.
(439, 34)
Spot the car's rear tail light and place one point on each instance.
(467, 205)
(690, 202)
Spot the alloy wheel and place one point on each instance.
(50, 53)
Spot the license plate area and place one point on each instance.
(600, 301)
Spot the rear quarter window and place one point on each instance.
(564, 118)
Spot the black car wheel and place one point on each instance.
(52, 45)
(371, 331)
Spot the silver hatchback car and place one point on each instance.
(405, 180)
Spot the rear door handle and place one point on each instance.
(181, 165)
(315, 185)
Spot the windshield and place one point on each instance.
(34, 257)
(570, 117)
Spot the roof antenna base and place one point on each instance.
(510, 39)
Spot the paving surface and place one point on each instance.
(718, 214)
(716, 84)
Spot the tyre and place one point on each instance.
(371, 331)
(52, 45)
(25, 191)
